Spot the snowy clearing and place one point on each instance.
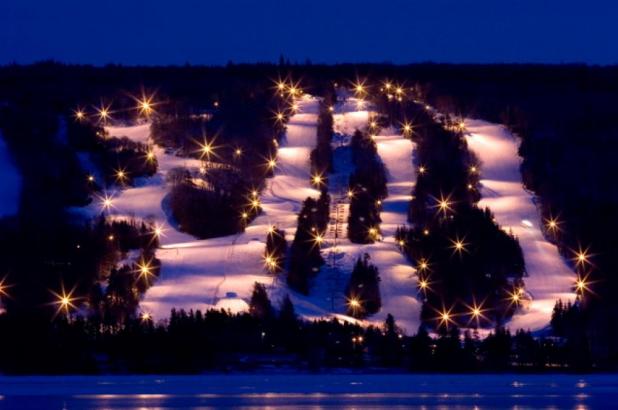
(398, 282)
(549, 277)
(219, 272)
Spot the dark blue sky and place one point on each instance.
(216, 31)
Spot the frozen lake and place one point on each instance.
(315, 391)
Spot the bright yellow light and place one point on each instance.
(106, 202)
(80, 115)
(423, 265)
(207, 149)
(146, 317)
(445, 317)
(373, 232)
(90, 178)
(281, 86)
(270, 262)
(553, 225)
(4, 287)
(254, 193)
(359, 88)
(64, 300)
(103, 113)
(401, 242)
(331, 108)
(271, 229)
(423, 284)
(294, 107)
(255, 203)
(158, 231)
(476, 312)
(444, 204)
(318, 239)
(373, 124)
(582, 257)
(238, 152)
(244, 215)
(459, 246)
(354, 303)
(317, 179)
(272, 163)
(388, 85)
(422, 169)
(407, 128)
(144, 269)
(350, 194)
(150, 155)
(121, 175)
(399, 90)
(145, 107)
(473, 169)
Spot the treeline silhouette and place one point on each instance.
(305, 258)
(363, 289)
(266, 337)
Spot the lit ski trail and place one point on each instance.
(11, 182)
(549, 277)
(398, 283)
(219, 272)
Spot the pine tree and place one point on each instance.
(260, 306)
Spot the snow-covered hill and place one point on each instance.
(398, 283)
(549, 276)
(199, 274)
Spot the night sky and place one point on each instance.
(217, 31)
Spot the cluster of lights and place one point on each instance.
(144, 105)
(271, 263)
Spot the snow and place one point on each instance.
(197, 274)
(10, 188)
(549, 276)
(220, 272)
(398, 283)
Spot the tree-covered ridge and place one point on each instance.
(366, 189)
(469, 270)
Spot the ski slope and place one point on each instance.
(219, 272)
(398, 283)
(549, 276)
(10, 188)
